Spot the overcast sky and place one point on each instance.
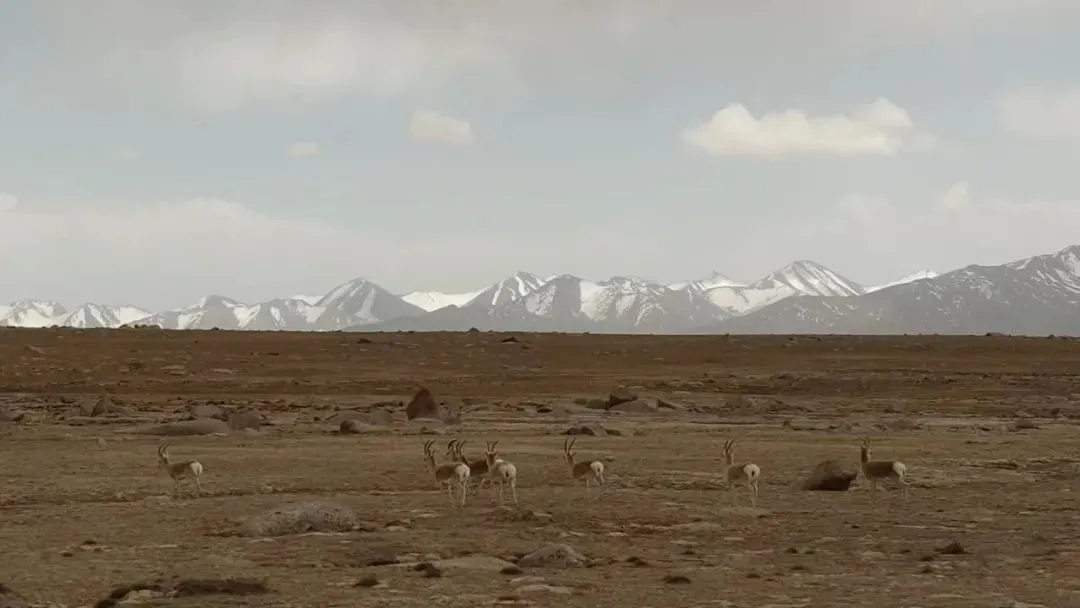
(153, 151)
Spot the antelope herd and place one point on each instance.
(501, 475)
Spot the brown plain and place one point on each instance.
(986, 427)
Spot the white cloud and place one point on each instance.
(124, 152)
(1042, 114)
(303, 148)
(429, 125)
(169, 254)
(879, 128)
(7, 202)
(957, 227)
(228, 55)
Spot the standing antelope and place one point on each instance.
(179, 470)
(747, 473)
(501, 471)
(448, 473)
(478, 469)
(879, 470)
(591, 470)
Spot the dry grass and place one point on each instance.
(86, 516)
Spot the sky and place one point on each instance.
(154, 151)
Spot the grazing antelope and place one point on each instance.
(591, 470)
(747, 473)
(501, 471)
(877, 471)
(179, 470)
(448, 473)
(478, 469)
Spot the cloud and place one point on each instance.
(881, 128)
(303, 148)
(7, 202)
(124, 152)
(169, 254)
(954, 228)
(220, 56)
(432, 126)
(1042, 114)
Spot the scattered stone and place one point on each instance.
(635, 406)
(542, 587)
(829, 476)
(245, 420)
(431, 571)
(423, 405)
(637, 562)
(590, 430)
(511, 570)
(620, 395)
(202, 426)
(368, 580)
(953, 548)
(383, 556)
(553, 555)
(677, 579)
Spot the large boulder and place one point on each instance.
(829, 476)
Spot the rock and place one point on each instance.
(620, 395)
(352, 427)
(100, 407)
(423, 405)
(542, 587)
(636, 406)
(667, 404)
(590, 430)
(484, 563)
(677, 579)
(553, 555)
(829, 476)
(247, 419)
(206, 410)
(369, 580)
(380, 417)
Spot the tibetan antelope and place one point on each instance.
(502, 472)
(877, 471)
(591, 470)
(179, 470)
(478, 469)
(746, 473)
(448, 473)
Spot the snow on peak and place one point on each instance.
(911, 278)
(33, 313)
(714, 279)
(91, 315)
(215, 301)
(510, 289)
(809, 278)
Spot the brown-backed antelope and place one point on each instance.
(876, 471)
(478, 469)
(746, 473)
(191, 469)
(502, 472)
(448, 474)
(591, 470)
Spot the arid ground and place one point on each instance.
(987, 427)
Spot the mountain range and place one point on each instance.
(1036, 296)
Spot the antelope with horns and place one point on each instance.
(502, 472)
(448, 474)
(191, 469)
(478, 469)
(877, 471)
(591, 470)
(746, 473)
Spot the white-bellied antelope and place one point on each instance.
(478, 469)
(746, 473)
(591, 470)
(448, 473)
(502, 472)
(190, 469)
(876, 471)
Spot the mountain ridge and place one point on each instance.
(1039, 294)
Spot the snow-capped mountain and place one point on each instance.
(506, 290)
(90, 316)
(797, 278)
(1037, 295)
(32, 313)
(360, 302)
(915, 276)
(1033, 296)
